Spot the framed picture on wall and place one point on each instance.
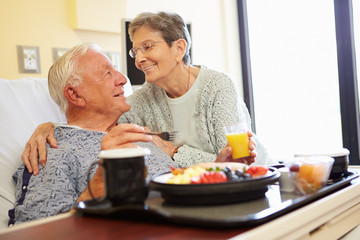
(115, 58)
(58, 52)
(28, 59)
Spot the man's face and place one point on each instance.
(102, 86)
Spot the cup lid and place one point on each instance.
(314, 159)
(124, 153)
(333, 153)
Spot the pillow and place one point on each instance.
(25, 103)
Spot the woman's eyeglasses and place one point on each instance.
(143, 48)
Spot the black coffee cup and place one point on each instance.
(124, 173)
(341, 164)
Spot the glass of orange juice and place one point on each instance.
(238, 139)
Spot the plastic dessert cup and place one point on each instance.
(309, 174)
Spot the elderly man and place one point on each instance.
(89, 90)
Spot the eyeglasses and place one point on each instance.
(143, 48)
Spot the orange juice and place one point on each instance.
(239, 142)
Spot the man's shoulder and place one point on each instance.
(64, 132)
(75, 142)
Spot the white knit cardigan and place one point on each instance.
(217, 104)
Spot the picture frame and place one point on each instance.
(28, 59)
(115, 58)
(58, 52)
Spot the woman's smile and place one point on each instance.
(144, 69)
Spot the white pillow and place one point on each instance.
(25, 103)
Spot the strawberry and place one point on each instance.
(256, 171)
(210, 177)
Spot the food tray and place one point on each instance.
(242, 214)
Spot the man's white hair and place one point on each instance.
(64, 72)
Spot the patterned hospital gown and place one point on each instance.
(59, 184)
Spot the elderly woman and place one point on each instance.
(192, 100)
(195, 101)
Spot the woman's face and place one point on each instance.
(159, 60)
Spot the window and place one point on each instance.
(293, 75)
(356, 17)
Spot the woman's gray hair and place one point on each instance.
(64, 71)
(171, 26)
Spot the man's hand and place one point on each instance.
(124, 136)
(97, 187)
(35, 148)
(121, 136)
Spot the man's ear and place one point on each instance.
(180, 49)
(73, 96)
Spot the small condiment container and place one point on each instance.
(285, 182)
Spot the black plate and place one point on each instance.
(215, 193)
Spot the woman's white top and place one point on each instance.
(182, 111)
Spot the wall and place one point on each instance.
(50, 23)
(42, 23)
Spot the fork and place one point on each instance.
(167, 136)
